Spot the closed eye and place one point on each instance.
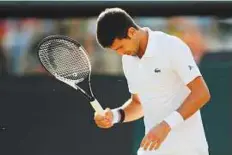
(118, 48)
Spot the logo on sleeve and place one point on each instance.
(190, 67)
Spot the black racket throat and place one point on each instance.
(85, 88)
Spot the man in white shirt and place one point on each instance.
(166, 86)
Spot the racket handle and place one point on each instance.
(97, 107)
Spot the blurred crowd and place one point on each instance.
(19, 38)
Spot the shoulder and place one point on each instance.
(160, 39)
(167, 42)
(159, 43)
(167, 38)
(163, 38)
(159, 35)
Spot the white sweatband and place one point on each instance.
(116, 116)
(174, 119)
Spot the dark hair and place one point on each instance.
(111, 24)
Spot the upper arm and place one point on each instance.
(199, 86)
(135, 98)
(182, 61)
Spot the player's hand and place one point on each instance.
(104, 121)
(155, 137)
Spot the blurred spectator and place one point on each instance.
(33, 64)
(76, 29)
(90, 41)
(190, 34)
(95, 51)
(3, 63)
(16, 43)
(19, 37)
(154, 23)
(3, 56)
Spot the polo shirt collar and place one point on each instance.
(149, 52)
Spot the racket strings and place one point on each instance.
(65, 59)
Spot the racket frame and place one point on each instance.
(74, 83)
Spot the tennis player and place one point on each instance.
(166, 86)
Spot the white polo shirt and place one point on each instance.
(160, 78)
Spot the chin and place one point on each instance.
(135, 53)
(132, 54)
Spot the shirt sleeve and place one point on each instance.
(130, 87)
(182, 60)
(126, 67)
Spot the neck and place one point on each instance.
(142, 43)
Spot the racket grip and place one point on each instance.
(97, 107)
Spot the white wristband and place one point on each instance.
(116, 116)
(174, 119)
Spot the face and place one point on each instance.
(127, 46)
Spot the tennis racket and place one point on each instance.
(67, 61)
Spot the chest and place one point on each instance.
(151, 74)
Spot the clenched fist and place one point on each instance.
(105, 120)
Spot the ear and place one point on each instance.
(131, 32)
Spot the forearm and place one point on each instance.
(198, 97)
(133, 110)
(192, 104)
